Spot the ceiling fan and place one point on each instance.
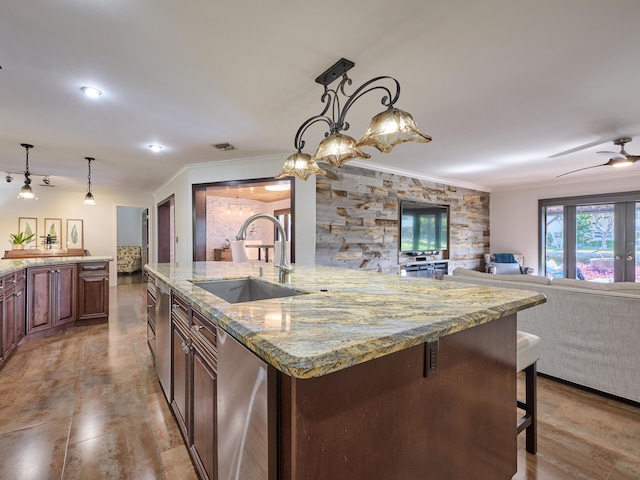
(616, 159)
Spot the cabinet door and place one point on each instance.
(65, 293)
(204, 445)
(39, 306)
(8, 323)
(181, 353)
(93, 297)
(19, 311)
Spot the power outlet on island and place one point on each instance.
(431, 359)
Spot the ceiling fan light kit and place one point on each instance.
(386, 129)
(616, 159)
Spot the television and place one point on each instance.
(424, 228)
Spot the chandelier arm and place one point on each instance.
(388, 100)
(298, 142)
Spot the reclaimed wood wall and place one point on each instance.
(357, 218)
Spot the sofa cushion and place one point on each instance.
(574, 282)
(465, 272)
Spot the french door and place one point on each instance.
(594, 238)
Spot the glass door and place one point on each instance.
(597, 240)
(594, 242)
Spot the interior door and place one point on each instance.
(165, 230)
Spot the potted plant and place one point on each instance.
(19, 239)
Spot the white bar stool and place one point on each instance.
(527, 357)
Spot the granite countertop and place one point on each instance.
(10, 266)
(348, 317)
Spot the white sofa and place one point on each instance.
(590, 332)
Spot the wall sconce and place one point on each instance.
(386, 129)
(88, 198)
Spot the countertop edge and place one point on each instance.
(310, 367)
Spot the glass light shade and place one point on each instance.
(299, 165)
(621, 162)
(336, 149)
(88, 199)
(26, 192)
(391, 127)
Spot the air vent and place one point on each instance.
(225, 147)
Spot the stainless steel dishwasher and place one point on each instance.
(163, 337)
(244, 439)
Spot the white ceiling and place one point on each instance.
(502, 86)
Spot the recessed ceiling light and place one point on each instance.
(155, 148)
(92, 92)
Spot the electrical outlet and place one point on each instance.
(431, 358)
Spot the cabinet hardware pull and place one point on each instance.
(196, 328)
(185, 348)
(18, 294)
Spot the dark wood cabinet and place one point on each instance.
(194, 384)
(41, 300)
(151, 313)
(180, 363)
(204, 445)
(11, 313)
(93, 291)
(51, 297)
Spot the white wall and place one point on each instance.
(266, 167)
(514, 212)
(99, 221)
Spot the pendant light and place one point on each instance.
(386, 129)
(88, 198)
(26, 191)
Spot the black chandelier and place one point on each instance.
(386, 129)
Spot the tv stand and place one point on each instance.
(422, 267)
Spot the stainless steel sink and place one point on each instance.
(246, 290)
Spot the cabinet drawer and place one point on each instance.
(151, 286)
(9, 280)
(94, 268)
(180, 310)
(151, 339)
(205, 328)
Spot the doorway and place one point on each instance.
(131, 243)
(166, 227)
(221, 208)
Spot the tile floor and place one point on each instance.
(86, 404)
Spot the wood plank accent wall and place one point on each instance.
(357, 218)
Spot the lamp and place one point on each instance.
(88, 198)
(386, 129)
(26, 191)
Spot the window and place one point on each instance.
(594, 238)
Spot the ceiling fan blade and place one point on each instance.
(585, 168)
(578, 148)
(609, 154)
(633, 158)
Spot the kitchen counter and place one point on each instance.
(10, 266)
(347, 318)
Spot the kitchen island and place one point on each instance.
(367, 376)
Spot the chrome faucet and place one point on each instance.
(283, 266)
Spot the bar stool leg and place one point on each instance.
(529, 420)
(532, 408)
